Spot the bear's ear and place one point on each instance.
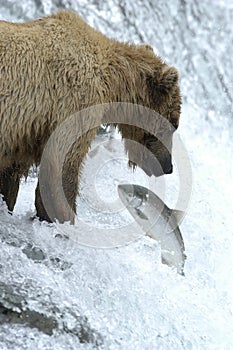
(162, 82)
(147, 47)
(167, 80)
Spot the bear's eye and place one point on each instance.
(175, 122)
(149, 138)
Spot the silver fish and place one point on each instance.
(157, 221)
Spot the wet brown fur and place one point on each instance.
(51, 68)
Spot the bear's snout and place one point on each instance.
(158, 166)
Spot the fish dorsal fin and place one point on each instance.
(178, 215)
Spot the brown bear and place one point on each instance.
(53, 67)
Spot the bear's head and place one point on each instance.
(165, 99)
(152, 143)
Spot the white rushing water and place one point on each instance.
(72, 296)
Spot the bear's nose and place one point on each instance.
(167, 167)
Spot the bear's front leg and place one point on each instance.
(9, 185)
(57, 188)
(51, 204)
(40, 210)
(60, 169)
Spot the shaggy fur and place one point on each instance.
(51, 68)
